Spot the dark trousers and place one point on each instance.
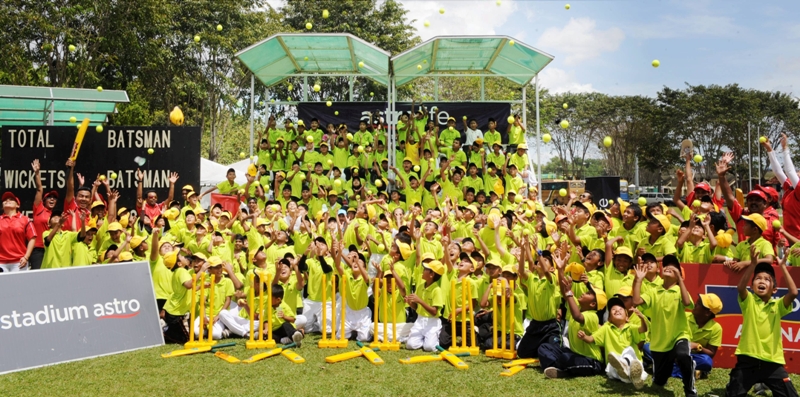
(537, 334)
(286, 330)
(160, 303)
(175, 331)
(749, 371)
(485, 329)
(35, 261)
(680, 355)
(552, 355)
(445, 337)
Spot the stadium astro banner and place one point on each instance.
(115, 150)
(352, 113)
(60, 315)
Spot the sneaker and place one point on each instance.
(297, 338)
(698, 374)
(226, 333)
(554, 373)
(636, 369)
(760, 389)
(616, 362)
(285, 340)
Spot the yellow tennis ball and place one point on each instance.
(441, 11)
(381, 247)
(369, 192)
(316, 87)
(349, 136)
(371, 94)
(336, 113)
(499, 2)
(310, 138)
(656, 63)
(99, 128)
(776, 224)
(528, 213)
(150, 151)
(642, 201)
(219, 28)
(196, 38)
(567, 6)
(762, 139)
(546, 138)
(378, 183)
(565, 106)
(607, 141)
(337, 183)
(241, 192)
(511, 42)
(416, 168)
(290, 87)
(450, 128)
(360, 149)
(102, 177)
(564, 124)
(73, 119)
(302, 177)
(330, 162)
(510, 119)
(329, 104)
(309, 25)
(698, 158)
(325, 14)
(419, 67)
(361, 64)
(696, 204)
(242, 155)
(99, 89)
(518, 199)
(113, 175)
(526, 232)
(562, 192)
(71, 48)
(427, 24)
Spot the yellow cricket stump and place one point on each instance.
(202, 302)
(506, 324)
(191, 343)
(380, 295)
(252, 343)
(466, 312)
(333, 342)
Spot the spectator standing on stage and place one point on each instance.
(43, 205)
(76, 202)
(17, 236)
(150, 206)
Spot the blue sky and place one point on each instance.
(607, 46)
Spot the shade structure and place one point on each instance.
(479, 55)
(297, 54)
(24, 105)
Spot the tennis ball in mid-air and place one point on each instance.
(419, 67)
(99, 88)
(329, 104)
(102, 177)
(113, 175)
(642, 201)
(427, 24)
(196, 38)
(242, 155)
(150, 151)
(336, 113)
(325, 14)
(441, 11)
(517, 199)
(71, 48)
(241, 192)
(696, 204)
(450, 128)
(698, 158)
(378, 183)
(349, 136)
(564, 124)
(562, 192)
(607, 141)
(416, 168)
(310, 138)
(361, 64)
(656, 63)
(317, 88)
(528, 213)
(547, 138)
(776, 224)
(511, 42)
(360, 149)
(762, 139)
(337, 182)
(566, 6)
(309, 25)
(510, 120)
(219, 28)
(371, 94)
(499, 2)
(381, 247)
(99, 128)
(73, 119)
(565, 105)
(330, 162)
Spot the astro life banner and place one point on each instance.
(115, 150)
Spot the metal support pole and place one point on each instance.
(758, 133)
(749, 158)
(436, 88)
(636, 174)
(252, 112)
(350, 80)
(483, 88)
(305, 88)
(538, 139)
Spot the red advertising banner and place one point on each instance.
(229, 203)
(720, 280)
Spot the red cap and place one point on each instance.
(771, 192)
(703, 186)
(758, 193)
(51, 193)
(10, 196)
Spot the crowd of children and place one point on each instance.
(594, 291)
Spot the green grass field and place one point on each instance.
(145, 373)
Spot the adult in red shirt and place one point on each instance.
(149, 205)
(17, 236)
(756, 202)
(43, 205)
(77, 202)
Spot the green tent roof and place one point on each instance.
(22, 105)
(282, 55)
(487, 55)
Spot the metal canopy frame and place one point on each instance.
(25, 105)
(277, 57)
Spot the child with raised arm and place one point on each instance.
(759, 355)
(669, 330)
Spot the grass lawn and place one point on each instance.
(145, 373)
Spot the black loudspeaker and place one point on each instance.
(605, 190)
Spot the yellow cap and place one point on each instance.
(623, 205)
(172, 214)
(125, 256)
(261, 222)
(371, 212)
(473, 208)
(98, 203)
(226, 213)
(625, 291)
(406, 250)
(575, 270)
(758, 219)
(435, 266)
(601, 297)
(170, 259)
(136, 241)
(187, 187)
(624, 251)
(214, 261)
(664, 221)
(510, 268)
(114, 227)
(711, 302)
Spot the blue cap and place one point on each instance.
(341, 212)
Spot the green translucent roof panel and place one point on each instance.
(283, 55)
(21, 105)
(470, 54)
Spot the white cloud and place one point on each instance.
(580, 40)
(558, 81)
(460, 18)
(688, 25)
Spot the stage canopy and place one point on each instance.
(23, 105)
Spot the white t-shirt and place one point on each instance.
(472, 135)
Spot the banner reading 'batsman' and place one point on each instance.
(119, 150)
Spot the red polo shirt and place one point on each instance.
(791, 209)
(769, 214)
(71, 205)
(41, 222)
(15, 232)
(153, 211)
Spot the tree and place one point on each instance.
(628, 123)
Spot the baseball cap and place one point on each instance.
(671, 260)
(663, 220)
(758, 219)
(199, 255)
(615, 302)
(624, 291)
(523, 146)
(114, 227)
(10, 196)
(623, 250)
(136, 241)
(623, 205)
(703, 186)
(170, 259)
(187, 187)
(127, 256)
(711, 302)
(510, 268)
(588, 206)
(758, 193)
(51, 193)
(98, 203)
(648, 257)
(214, 261)
(771, 192)
(435, 266)
(575, 270)
(599, 296)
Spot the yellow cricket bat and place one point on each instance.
(228, 358)
(452, 358)
(371, 356)
(260, 356)
(343, 356)
(186, 352)
(76, 147)
(293, 357)
(510, 371)
(523, 362)
(428, 359)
